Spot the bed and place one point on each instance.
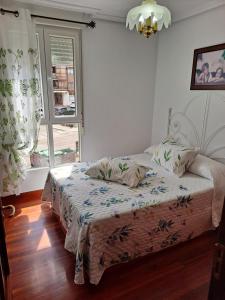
(107, 223)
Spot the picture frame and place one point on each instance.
(208, 71)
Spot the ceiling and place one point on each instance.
(116, 10)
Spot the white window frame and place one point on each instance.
(49, 119)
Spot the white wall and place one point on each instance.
(35, 180)
(118, 83)
(174, 63)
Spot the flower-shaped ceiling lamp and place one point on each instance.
(148, 18)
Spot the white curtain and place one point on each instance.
(20, 97)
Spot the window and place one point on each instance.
(60, 61)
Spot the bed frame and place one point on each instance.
(201, 124)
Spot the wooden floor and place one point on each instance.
(42, 269)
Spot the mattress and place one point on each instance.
(108, 223)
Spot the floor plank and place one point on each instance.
(42, 269)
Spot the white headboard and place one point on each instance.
(201, 124)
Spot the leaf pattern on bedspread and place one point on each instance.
(84, 219)
(108, 223)
(183, 201)
(164, 225)
(113, 201)
(170, 240)
(121, 234)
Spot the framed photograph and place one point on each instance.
(208, 72)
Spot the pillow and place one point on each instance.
(169, 140)
(215, 171)
(203, 166)
(122, 171)
(174, 158)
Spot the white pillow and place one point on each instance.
(215, 171)
(119, 170)
(174, 158)
(169, 140)
(203, 166)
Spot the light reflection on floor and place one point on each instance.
(44, 241)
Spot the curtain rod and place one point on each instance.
(90, 24)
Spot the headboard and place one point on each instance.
(201, 124)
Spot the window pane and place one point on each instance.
(66, 143)
(63, 75)
(40, 157)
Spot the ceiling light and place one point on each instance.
(148, 18)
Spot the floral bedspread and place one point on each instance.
(108, 223)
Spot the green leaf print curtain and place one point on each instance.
(20, 98)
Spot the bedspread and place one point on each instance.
(108, 223)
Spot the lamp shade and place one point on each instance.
(148, 16)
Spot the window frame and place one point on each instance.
(49, 119)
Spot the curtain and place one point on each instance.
(20, 98)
